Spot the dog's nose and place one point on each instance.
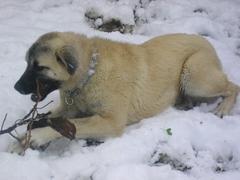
(18, 87)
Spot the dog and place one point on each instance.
(105, 85)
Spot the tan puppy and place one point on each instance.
(106, 85)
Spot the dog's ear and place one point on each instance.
(67, 57)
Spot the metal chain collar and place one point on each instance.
(70, 94)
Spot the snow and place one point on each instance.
(119, 12)
(199, 139)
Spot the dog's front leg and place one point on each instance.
(91, 127)
(98, 126)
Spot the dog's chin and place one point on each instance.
(37, 98)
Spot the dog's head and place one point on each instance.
(51, 61)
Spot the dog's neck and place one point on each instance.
(84, 79)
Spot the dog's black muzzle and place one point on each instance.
(27, 84)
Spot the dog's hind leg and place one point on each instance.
(202, 77)
(229, 100)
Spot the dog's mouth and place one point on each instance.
(36, 84)
(37, 97)
(44, 87)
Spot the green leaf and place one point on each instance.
(169, 131)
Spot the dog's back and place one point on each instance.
(148, 75)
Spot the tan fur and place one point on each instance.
(133, 82)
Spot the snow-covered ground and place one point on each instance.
(201, 146)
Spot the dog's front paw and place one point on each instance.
(16, 147)
(39, 140)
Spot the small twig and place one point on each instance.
(10, 129)
(45, 105)
(34, 120)
(15, 137)
(19, 122)
(28, 114)
(34, 115)
(5, 117)
(29, 118)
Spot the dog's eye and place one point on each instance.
(37, 67)
(40, 68)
